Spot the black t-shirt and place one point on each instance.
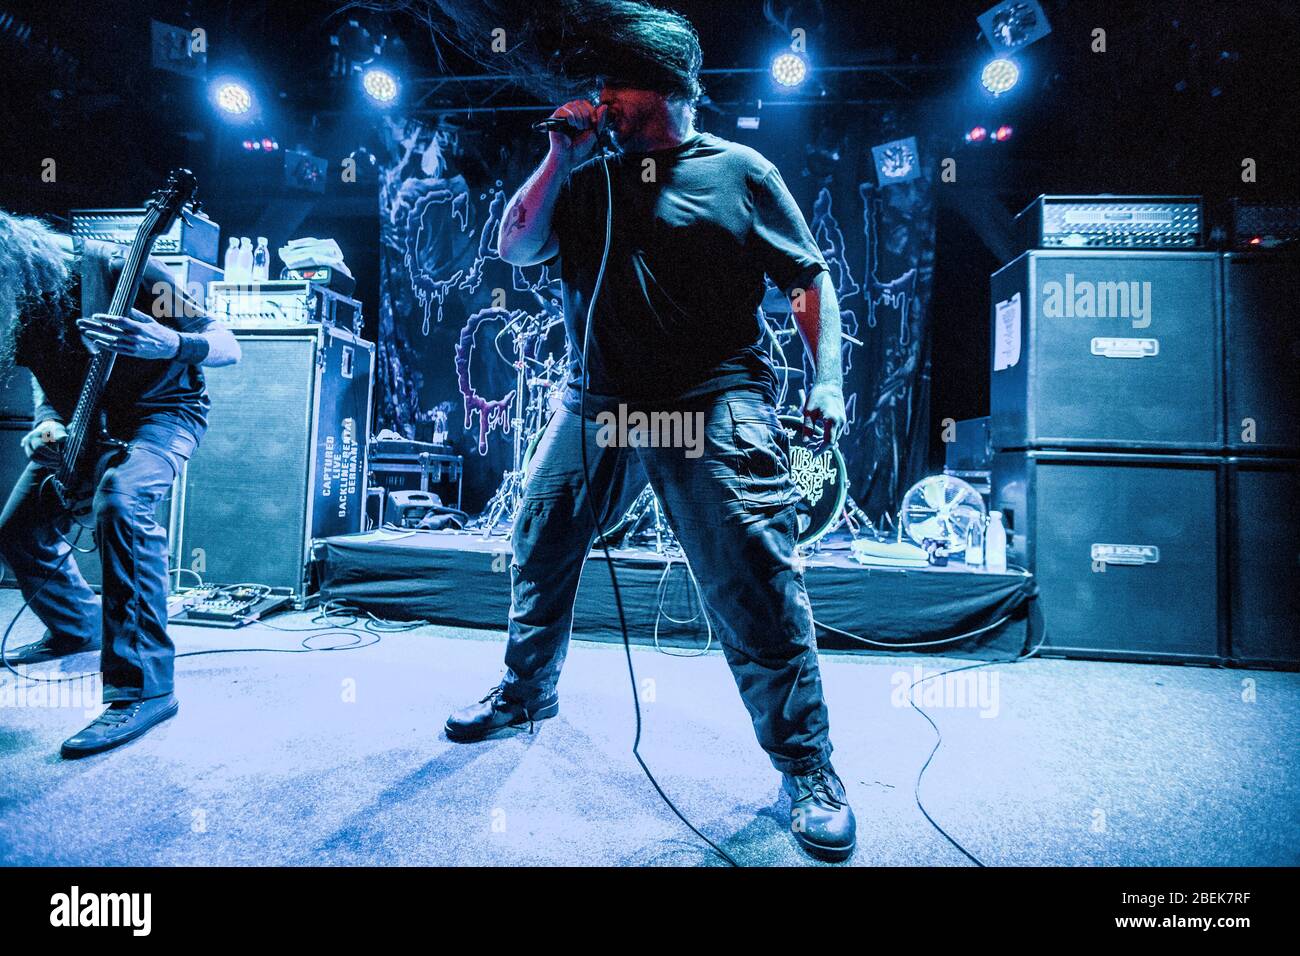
(695, 228)
(138, 390)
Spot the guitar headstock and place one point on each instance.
(167, 203)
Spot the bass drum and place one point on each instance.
(820, 477)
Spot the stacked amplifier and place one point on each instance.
(283, 462)
(1147, 447)
(188, 250)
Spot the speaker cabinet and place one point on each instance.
(1261, 307)
(1264, 560)
(1125, 549)
(1107, 349)
(283, 461)
(16, 403)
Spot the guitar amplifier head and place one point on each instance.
(282, 303)
(1112, 222)
(192, 234)
(1263, 225)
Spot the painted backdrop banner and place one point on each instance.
(448, 303)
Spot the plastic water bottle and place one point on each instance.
(974, 556)
(245, 259)
(230, 264)
(995, 544)
(261, 261)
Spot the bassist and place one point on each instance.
(54, 296)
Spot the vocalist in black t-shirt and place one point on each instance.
(697, 224)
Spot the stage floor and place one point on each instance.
(338, 758)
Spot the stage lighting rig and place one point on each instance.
(380, 85)
(355, 46)
(789, 69)
(233, 98)
(1000, 75)
(982, 134)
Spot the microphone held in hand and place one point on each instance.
(555, 124)
(558, 124)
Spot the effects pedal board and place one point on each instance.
(228, 606)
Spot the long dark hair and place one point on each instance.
(565, 48)
(35, 287)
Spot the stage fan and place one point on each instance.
(941, 507)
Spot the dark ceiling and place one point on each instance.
(1183, 88)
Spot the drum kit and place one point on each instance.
(818, 469)
(539, 387)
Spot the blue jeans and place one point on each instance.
(137, 657)
(732, 510)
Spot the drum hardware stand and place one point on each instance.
(856, 519)
(529, 410)
(504, 504)
(647, 503)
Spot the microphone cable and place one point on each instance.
(938, 734)
(595, 516)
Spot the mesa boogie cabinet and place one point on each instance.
(1126, 550)
(283, 463)
(1107, 349)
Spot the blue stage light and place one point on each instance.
(232, 98)
(789, 69)
(380, 85)
(999, 75)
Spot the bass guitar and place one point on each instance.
(74, 476)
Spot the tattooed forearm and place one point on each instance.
(525, 236)
(518, 218)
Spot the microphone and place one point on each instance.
(555, 124)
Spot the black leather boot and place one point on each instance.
(820, 816)
(121, 721)
(48, 648)
(494, 714)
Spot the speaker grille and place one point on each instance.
(1262, 319)
(1117, 350)
(246, 492)
(1265, 528)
